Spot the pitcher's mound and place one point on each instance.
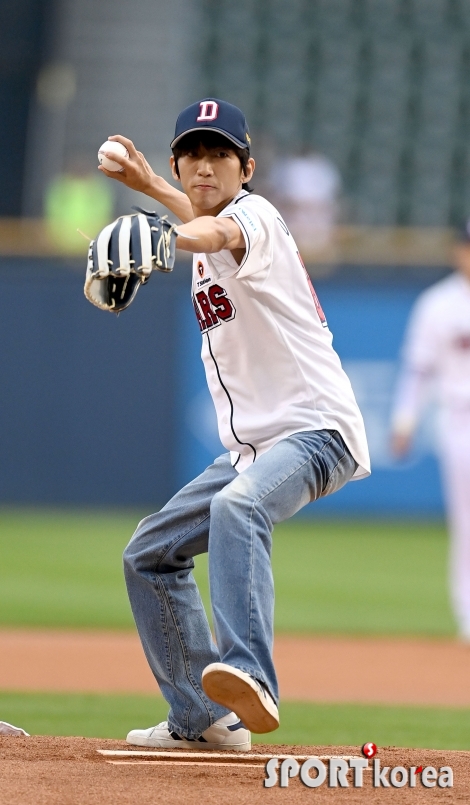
(71, 771)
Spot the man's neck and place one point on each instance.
(198, 212)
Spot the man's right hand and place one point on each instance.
(400, 443)
(136, 172)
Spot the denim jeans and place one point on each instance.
(231, 516)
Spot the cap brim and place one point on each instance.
(230, 137)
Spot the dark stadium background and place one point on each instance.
(381, 88)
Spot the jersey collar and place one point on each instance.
(234, 200)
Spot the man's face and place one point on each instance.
(211, 177)
(462, 258)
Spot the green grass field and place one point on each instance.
(301, 723)
(62, 569)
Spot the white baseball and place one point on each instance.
(113, 147)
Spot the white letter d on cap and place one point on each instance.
(209, 110)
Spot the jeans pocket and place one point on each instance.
(341, 474)
(331, 484)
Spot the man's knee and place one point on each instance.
(158, 550)
(131, 551)
(238, 494)
(140, 553)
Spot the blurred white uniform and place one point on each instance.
(306, 189)
(437, 355)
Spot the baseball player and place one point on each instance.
(436, 356)
(286, 415)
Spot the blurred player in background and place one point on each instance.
(436, 358)
(306, 188)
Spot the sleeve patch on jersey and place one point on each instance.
(248, 220)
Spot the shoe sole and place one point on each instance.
(225, 686)
(196, 746)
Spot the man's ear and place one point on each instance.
(174, 170)
(250, 169)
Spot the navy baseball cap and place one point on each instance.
(211, 114)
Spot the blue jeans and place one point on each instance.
(231, 516)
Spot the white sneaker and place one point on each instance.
(247, 697)
(226, 733)
(9, 729)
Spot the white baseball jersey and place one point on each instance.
(437, 348)
(267, 350)
(437, 358)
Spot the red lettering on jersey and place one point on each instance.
(315, 298)
(202, 324)
(223, 307)
(213, 307)
(318, 306)
(208, 314)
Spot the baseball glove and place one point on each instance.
(124, 254)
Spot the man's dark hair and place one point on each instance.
(210, 139)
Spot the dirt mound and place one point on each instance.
(70, 771)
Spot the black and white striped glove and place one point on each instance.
(124, 254)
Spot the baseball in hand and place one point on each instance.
(112, 147)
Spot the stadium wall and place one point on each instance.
(104, 410)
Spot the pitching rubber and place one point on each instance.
(9, 729)
(237, 691)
